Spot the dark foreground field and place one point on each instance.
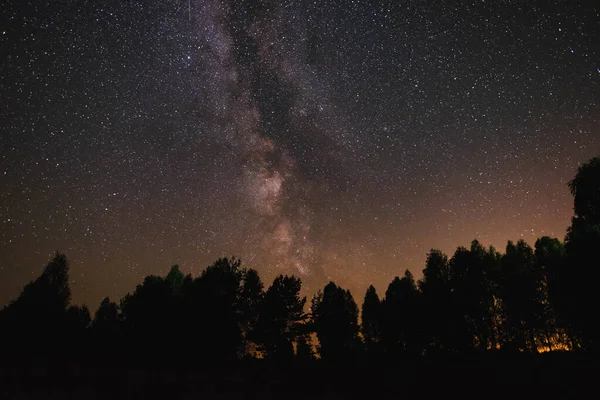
(539, 378)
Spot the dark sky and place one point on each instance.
(328, 139)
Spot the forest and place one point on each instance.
(477, 303)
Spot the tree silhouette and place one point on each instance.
(436, 302)
(471, 273)
(251, 298)
(43, 303)
(401, 316)
(335, 321)
(215, 311)
(280, 320)
(551, 258)
(106, 319)
(581, 244)
(371, 320)
(175, 280)
(146, 316)
(522, 297)
(145, 310)
(42, 308)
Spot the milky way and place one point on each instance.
(330, 139)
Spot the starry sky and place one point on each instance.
(327, 139)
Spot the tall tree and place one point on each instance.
(335, 321)
(214, 310)
(146, 309)
(106, 319)
(551, 258)
(371, 320)
(176, 282)
(251, 297)
(472, 297)
(581, 243)
(146, 316)
(521, 291)
(436, 302)
(493, 262)
(107, 332)
(41, 308)
(401, 317)
(281, 316)
(43, 302)
(175, 279)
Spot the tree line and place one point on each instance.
(478, 301)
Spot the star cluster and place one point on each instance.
(327, 139)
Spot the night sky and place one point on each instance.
(327, 139)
